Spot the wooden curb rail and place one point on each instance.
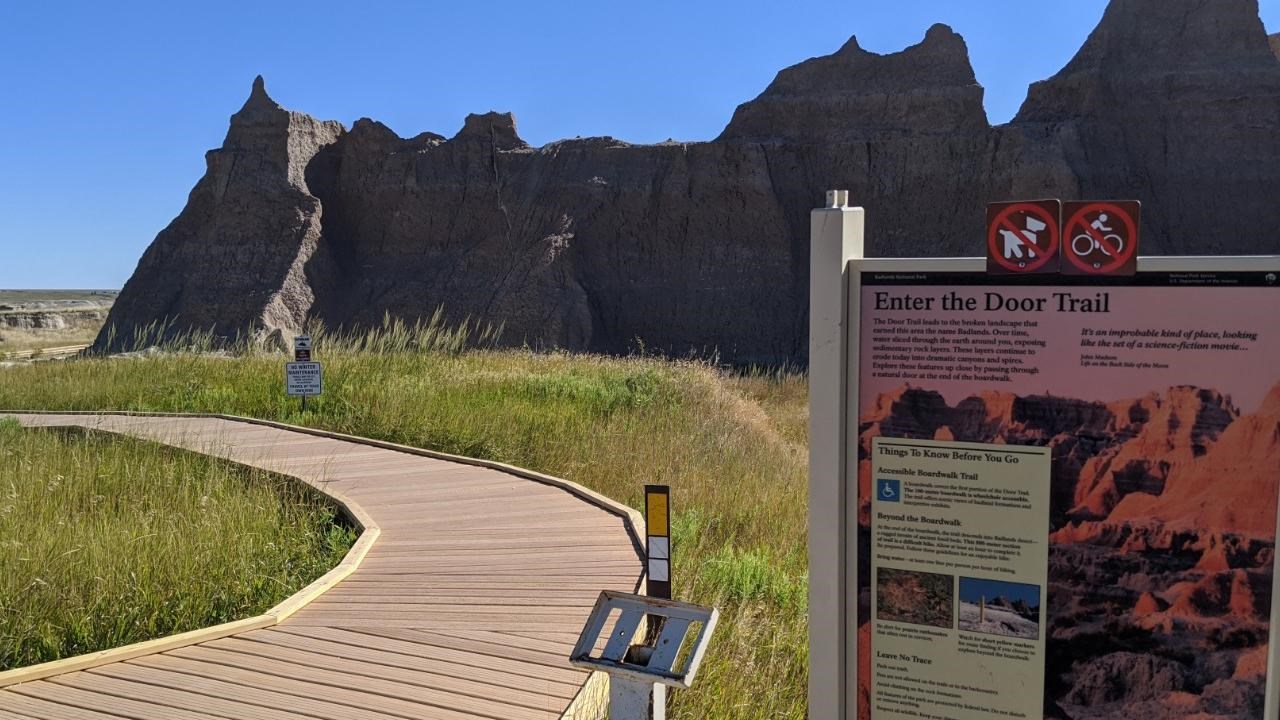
(586, 703)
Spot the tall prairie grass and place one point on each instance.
(106, 541)
(731, 446)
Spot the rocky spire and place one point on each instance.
(1140, 40)
(253, 207)
(289, 140)
(496, 127)
(929, 88)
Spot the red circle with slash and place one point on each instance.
(1001, 221)
(1119, 256)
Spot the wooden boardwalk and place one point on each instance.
(467, 605)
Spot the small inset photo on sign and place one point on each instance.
(997, 607)
(919, 598)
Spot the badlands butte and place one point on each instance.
(602, 245)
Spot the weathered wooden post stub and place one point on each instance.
(1051, 479)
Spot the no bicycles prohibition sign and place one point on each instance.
(1023, 237)
(1101, 238)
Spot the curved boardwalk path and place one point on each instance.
(467, 606)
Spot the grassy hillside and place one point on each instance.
(106, 541)
(732, 448)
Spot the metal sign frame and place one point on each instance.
(837, 263)
(660, 666)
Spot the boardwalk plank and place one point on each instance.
(365, 651)
(172, 699)
(455, 650)
(341, 694)
(382, 694)
(106, 702)
(34, 708)
(193, 677)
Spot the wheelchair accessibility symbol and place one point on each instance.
(888, 490)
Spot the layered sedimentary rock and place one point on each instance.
(598, 244)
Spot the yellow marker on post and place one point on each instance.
(657, 512)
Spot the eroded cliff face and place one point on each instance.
(1177, 103)
(597, 244)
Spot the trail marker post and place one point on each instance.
(657, 521)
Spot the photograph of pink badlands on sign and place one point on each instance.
(1163, 415)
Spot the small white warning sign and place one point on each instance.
(303, 379)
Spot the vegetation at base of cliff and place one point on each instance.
(106, 541)
(731, 446)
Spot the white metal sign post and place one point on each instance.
(1024, 486)
(836, 237)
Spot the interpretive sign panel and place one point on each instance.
(1123, 568)
(959, 562)
(1157, 403)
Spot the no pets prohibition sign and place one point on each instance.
(1023, 237)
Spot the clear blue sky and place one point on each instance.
(108, 107)
(972, 590)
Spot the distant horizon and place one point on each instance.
(118, 104)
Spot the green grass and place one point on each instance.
(732, 448)
(106, 541)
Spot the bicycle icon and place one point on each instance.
(1100, 238)
(1086, 244)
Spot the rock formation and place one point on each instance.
(235, 260)
(597, 244)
